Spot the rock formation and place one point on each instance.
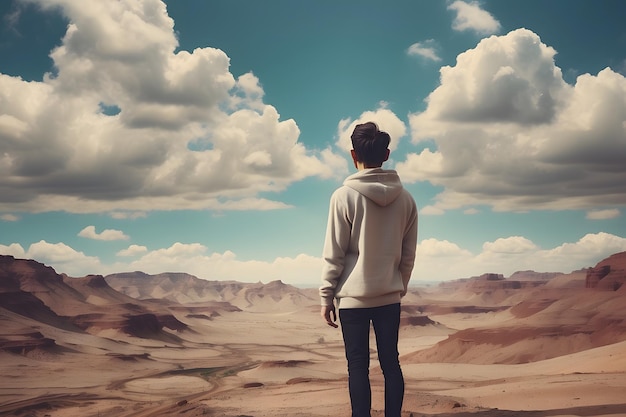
(609, 274)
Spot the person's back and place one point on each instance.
(381, 214)
(369, 252)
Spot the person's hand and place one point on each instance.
(328, 313)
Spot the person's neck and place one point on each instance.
(360, 166)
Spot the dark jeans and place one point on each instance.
(355, 326)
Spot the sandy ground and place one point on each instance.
(263, 364)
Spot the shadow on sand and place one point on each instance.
(587, 411)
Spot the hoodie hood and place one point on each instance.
(382, 186)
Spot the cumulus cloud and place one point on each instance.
(434, 248)
(470, 16)
(8, 217)
(510, 133)
(192, 258)
(185, 132)
(443, 260)
(133, 250)
(195, 259)
(426, 49)
(89, 232)
(63, 258)
(513, 244)
(436, 260)
(14, 249)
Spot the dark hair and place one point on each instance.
(370, 144)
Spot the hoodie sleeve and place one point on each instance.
(336, 244)
(409, 246)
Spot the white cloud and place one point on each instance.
(431, 211)
(188, 134)
(426, 49)
(513, 244)
(436, 260)
(60, 256)
(443, 260)
(14, 249)
(121, 215)
(590, 246)
(193, 259)
(8, 217)
(386, 120)
(434, 248)
(190, 258)
(603, 214)
(249, 93)
(510, 133)
(425, 166)
(133, 250)
(89, 232)
(470, 16)
(258, 159)
(336, 164)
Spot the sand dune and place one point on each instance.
(535, 345)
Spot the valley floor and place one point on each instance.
(262, 364)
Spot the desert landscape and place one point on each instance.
(131, 344)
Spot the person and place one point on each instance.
(369, 253)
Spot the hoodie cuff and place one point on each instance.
(325, 301)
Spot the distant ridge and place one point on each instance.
(608, 274)
(157, 307)
(544, 317)
(188, 289)
(84, 305)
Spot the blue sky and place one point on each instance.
(207, 136)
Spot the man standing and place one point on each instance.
(369, 252)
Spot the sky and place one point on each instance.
(206, 137)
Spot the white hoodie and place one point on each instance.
(371, 237)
